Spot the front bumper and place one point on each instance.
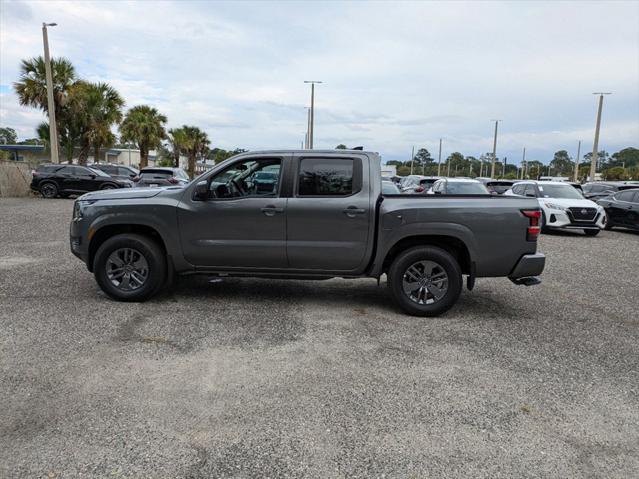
(560, 219)
(529, 265)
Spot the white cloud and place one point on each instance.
(396, 74)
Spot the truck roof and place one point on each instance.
(302, 152)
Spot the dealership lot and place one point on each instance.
(248, 377)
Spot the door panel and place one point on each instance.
(239, 226)
(325, 231)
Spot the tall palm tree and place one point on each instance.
(143, 125)
(31, 87)
(197, 142)
(178, 142)
(104, 109)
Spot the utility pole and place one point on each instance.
(311, 129)
(523, 163)
(448, 167)
(492, 171)
(412, 160)
(439, 161)
(577, 160)
(53, 134)
(308, 127)
(595, 146)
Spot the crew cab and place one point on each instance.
(320, 214)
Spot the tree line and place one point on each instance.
(86, 114)
(622, 165)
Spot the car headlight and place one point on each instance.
(77, 211)
(554, 206)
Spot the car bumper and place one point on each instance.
(557, 219)
(77, 242)
(529, 265)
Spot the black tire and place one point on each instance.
(48, 190)
(108, 186)
(592, 232)
(444, 261)
(146, 248)
(544, 228)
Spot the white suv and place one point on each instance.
(562, 206)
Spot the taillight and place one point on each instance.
(419, 189)
(533, 230)
(173, 180)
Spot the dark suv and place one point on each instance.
(622, 208)
(117, 171)
(63, 180)
(161, 176)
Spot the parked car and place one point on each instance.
(562, 206)
(154, 176)
(417, 183)
(120, 172)
(390, 188)
(496, 187)
(326, 218)
(458, 186)
(53, 180)
(601, 189)
(622, 208)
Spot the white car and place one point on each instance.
(562, 206)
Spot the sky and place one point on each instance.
(396, 75)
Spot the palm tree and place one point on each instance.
(143, 125)
(197, 142)
(178, 142)
(31, 88)
(104, 109)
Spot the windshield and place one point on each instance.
(453, 188)
(560, 191)
(98, 172)
(389, 188)
(499, 187)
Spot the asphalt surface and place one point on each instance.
(256, 378)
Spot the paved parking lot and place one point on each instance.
(250, 377)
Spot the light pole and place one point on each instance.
(492, 171)
(53, 134)
(312, 119)
(523, 163)
(595, 146)
(577, 160)
(412, 160)
(439, 161)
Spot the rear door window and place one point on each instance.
(329, 177)
(627, 195)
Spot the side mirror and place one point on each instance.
(201, 191)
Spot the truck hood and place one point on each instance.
(570, 203)
(125, 193)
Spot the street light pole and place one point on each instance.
(439, 161)
(595, 146)
(492, 171)
(412, 160)
(312, 120)
(53, 134)
(523, 163)
(577, 160)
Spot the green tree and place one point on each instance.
(196, 146)
(614, 174)
(562, 164)
(8, 136)
(628, 157)
(144, 126)
(31, 87)
(178, 141)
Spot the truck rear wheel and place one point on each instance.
(130, 267)
(425, 281)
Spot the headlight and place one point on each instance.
(554, 206)
(77, 211)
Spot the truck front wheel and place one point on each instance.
(425, 281)
(130, 267)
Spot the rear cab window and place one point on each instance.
(329, 177)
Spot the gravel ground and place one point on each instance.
(249, 377)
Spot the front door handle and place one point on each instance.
(270, 210)
(351, 211)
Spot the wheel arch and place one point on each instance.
(451, 244)
(111, 230)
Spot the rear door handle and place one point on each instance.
(270, 210)
(351, 211)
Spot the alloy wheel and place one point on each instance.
(425, 282)
(127, 269)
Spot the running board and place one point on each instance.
(527, 281)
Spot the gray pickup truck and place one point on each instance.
(305, 214)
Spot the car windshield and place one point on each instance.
(560, 191)
(454, 188)
(499, 186)
(266, 176)
(389, 188)
(98, 172)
